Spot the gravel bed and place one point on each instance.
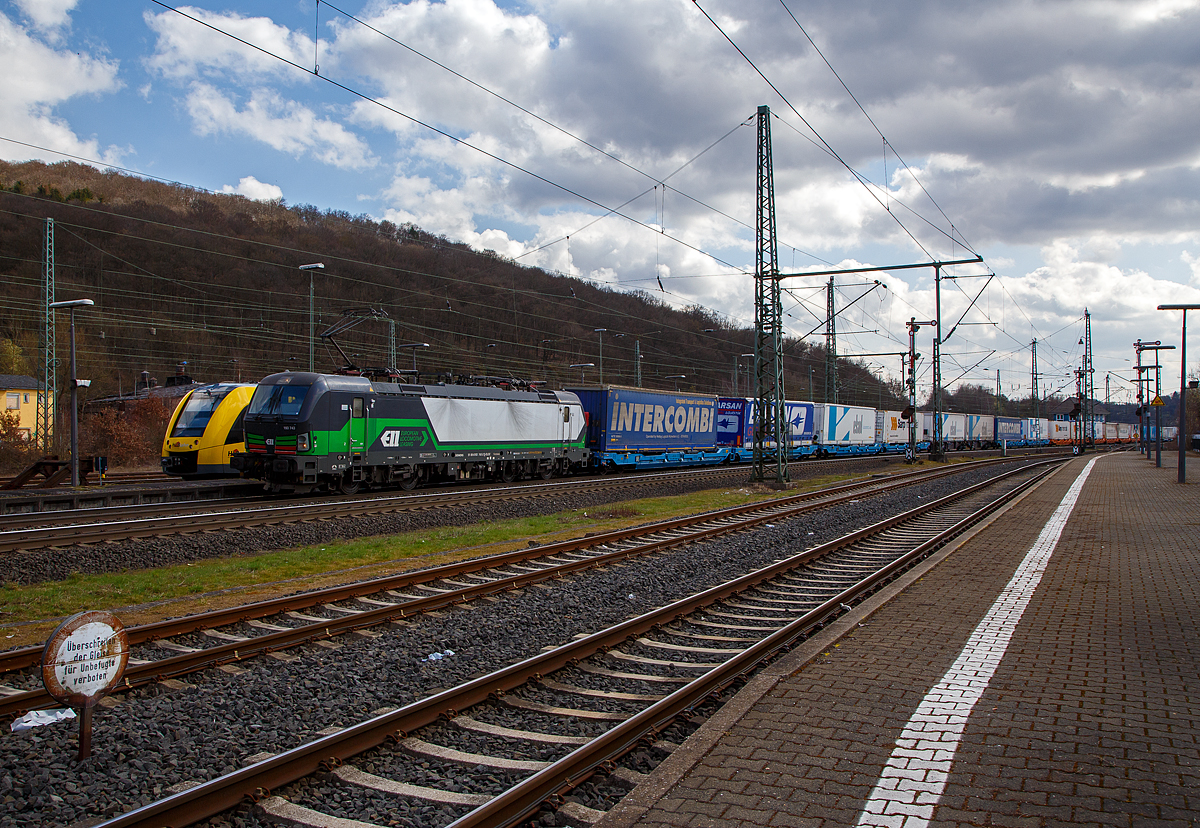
(575, 701)
(470, 741)
(538, 722)
(590, 681)
(154, 739)
(444, 776)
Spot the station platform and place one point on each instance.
(991, 686)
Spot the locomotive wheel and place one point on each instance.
(348, 486)
(546, 472)
(509, 473)
(408, 483)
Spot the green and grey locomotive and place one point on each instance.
(306, 432)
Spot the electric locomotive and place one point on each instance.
(308, 431)
(205, 430)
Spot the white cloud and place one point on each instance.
(187, 49)
(1064, 135)
(255, 190)
(47, 14)
(282, 124)
(1194, 263)
(37, 78)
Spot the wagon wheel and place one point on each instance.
(348, 486)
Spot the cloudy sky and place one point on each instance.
(1060, 140)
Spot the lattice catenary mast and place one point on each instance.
(769, 411)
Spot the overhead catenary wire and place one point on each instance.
(659, 223)
(805, 121)
(573, 136)
(457, 140)
(887, 144)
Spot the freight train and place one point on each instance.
(307, 431)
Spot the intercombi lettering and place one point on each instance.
(649, 418)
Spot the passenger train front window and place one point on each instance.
(197, 411)
(271, 400)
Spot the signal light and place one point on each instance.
(907, 413)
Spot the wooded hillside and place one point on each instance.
(179, 275)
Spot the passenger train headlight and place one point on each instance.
(302, 442)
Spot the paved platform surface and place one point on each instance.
(1090, 716)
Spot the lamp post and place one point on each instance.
(637, 357)
(601, 331)
(312, 334)
(677, 378)
(1182, 387)
(72, 304)
(1157, 389)
(749, 374)
(413, 346)
(581, 366)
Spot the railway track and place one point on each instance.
(174, 648)
(498, 749)
(38, 530)
(41, 530)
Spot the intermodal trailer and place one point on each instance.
(954, 430)
(1062, 432)
(636, 428)
(734, 430)
(1008, 431)
(981, 430)
(802, 428)
(891, 431)
(1036, 431)
(844, 429)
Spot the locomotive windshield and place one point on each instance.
(198, 410)
(270, 400)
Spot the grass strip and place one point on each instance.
(28, 613)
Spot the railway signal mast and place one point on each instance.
(910, 413)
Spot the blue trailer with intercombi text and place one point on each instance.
(637, 428)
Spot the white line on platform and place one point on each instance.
(915, 775)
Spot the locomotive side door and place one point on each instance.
(358, 427)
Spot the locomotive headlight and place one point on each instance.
(301, 442)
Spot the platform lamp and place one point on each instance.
(1182, 387)
(601, 332)
(76, 383)
(312, 333)
(750, 375)
(1157, 367)
(581, 366)
(677, 378)
(413, 347)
